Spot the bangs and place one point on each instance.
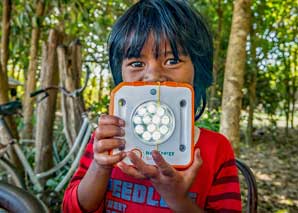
(137, 40)
(151, 20)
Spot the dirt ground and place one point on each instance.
(274, 161)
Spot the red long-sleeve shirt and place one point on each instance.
(216, 187)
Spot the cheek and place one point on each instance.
(130, 76)
(191, 75)
(126, 76)
(123, 72)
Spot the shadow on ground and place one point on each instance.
(274, 161)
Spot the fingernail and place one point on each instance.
(122, 132)
(155, 155)
(122, 147)
(130, 154)
(121, 122)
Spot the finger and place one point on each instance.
(109, 160)
(110, 120)
(192, 171)
(129, 170)
(148, 171)
(165, 168)
(108, 131)
(104, 145)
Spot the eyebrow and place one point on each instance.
(170, 52)
(165, 53)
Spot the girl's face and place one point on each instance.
(165, 67)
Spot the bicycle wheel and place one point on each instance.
(9, 174)
(14, 199)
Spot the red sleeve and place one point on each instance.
(224, 195)
(70, 200)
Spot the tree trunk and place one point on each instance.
(70, 64)
(217, 43)
(293, 110)
(287, 107)
(252, 88)
(287, 68)
(6, 13)
(252, 105)
(295, 88)
(234, 72)
(46, 108)
(4, 88)
(31, 75)
(5, 34)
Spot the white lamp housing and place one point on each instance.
(158, 116)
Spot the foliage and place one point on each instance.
(100, 107)
(275, 34)
(209, 120)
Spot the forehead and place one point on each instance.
(153, 43)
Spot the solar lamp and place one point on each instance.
(158, 116)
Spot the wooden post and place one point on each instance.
(4, 87)
(46, 108)
(70, 64)
(31, 75)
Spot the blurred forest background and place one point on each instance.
(253, 100)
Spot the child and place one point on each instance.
(157, 40)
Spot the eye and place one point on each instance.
(173, 61)
(137, 64)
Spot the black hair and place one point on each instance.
(173, 20)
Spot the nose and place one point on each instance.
(154, 73)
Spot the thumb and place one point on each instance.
(192, 171)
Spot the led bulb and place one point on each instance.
(164, 129)
(137, 120)
(142, 111)
(165, 120)
(147, 119)
(156, 135)
(139, 129)
(151, 127)
(146, 136)
(160, 111)
(151, 108)
(156, 119)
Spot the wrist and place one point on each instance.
(102, 170)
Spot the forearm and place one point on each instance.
(91, 190)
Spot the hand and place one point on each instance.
(106, 138)
(172, 185)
